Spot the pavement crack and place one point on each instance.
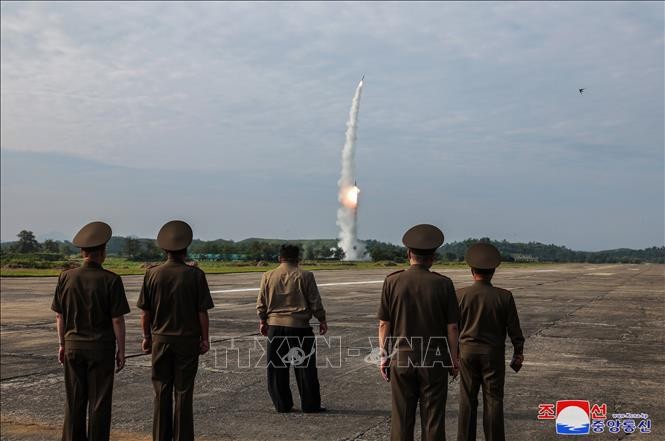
(358, 436)
(34, 374)
(28, 355)
(549, 325)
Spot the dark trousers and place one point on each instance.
(409, 385)
(174, 367)
(89, 387)
(292, 346)
(486, 370)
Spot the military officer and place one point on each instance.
(174, 301)
(288, 298)
(90, 304)
(487, 314)
(418, 315)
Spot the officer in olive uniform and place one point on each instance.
(288, 298)
(90, 303)
(174, 300)
(418, 314)
(487, 313)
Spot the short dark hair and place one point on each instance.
(421, 255)
(182, 252)
(289, 252)
(483, 271)
(92, 250)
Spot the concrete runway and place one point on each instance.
(594, 332)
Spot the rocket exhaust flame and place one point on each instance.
(348, 191)
(350, 197)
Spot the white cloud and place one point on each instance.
(452, 88)
(124, 84)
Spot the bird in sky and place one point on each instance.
(581, 91)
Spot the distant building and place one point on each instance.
(218, 257)
(525, 258)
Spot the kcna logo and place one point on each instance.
(578, 417)
(573, 417)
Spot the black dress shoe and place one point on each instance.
(318, 410)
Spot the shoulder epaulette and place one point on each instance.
(196, 267)
(395, 272)
(66, 270)
(440, 275)
(110, 272)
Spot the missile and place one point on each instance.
(363, 78)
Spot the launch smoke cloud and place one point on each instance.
(347, 214)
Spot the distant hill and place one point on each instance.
(539, 252)
(255, 248)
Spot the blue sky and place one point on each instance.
(232, 117)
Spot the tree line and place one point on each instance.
(257, 249)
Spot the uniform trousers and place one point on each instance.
(486, 370)
(89, 387)
(174, 367)
(413, 384)
(292, 346)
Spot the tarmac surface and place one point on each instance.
(593, 332)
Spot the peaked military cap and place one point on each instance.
(92, 235)
(423, 239)
(175, 235)
(482, 256)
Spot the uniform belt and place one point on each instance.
(161, 338)
(480, 348)
(89, 345)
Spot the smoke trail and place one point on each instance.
(347, 214)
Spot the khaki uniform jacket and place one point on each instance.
(487, 314)
(88, 298)
(288, 296)
(419, 304)
(174, 293)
